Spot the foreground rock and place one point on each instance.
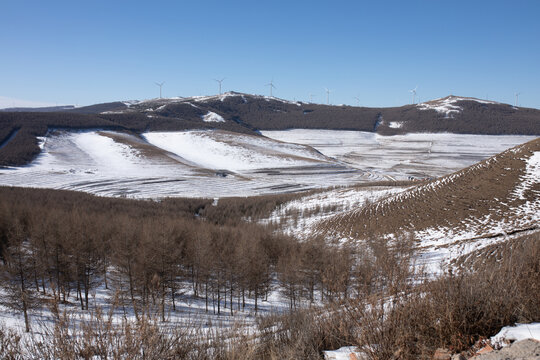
(520, 350)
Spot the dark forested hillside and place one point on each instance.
(249, 113)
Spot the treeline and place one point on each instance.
(62, 245)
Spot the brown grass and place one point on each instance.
(472, 193)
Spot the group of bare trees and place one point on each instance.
(63, 245)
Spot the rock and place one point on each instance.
(442, 354)
(458, 357)
(528, 349)
(486, 349)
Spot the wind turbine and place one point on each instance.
(271, 85)
(517, 97)
(413, 92)
(311, 98)
(219, 82)
(357, 100)
(328, 96)
(160, 86)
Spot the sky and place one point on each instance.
(86, 52)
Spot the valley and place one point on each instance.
(225, 235)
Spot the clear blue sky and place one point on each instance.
(84, 52)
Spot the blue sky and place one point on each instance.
(75, 52)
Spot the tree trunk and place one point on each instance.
(218, 300)
(256, 307)
(173, 290)
(105, 276)
(231, 298)
(206, 296)
(25, 311)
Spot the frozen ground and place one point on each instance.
(219, 163)
(190, 312)
(182, 164)
(402, 156)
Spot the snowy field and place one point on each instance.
(220, 163)
(402, 156)
(181, 164)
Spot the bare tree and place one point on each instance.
(17, 270)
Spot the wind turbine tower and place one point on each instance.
(271, 85)
(219, 82)
(160, 86)
(517, 98)
(328, 96)
(311, 98)
(357, 100)
(413, 92)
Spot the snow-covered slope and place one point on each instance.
(185, 164)
(400, 157)
(216, 163)
(212, 117)
(458, 213)
(235, 152)
(300, 217)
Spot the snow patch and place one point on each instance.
(212, 117)
(531, 176)
(395, 124)
(516, 333)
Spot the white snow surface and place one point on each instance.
(236, 152)
(184, 163)
(532, 176)
(516, 333)
(400, 157)
(117, 164)
(212, 117)
(395, 124)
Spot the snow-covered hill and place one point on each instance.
(217, 163)
(487, 203)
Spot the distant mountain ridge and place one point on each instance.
(245, 113)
